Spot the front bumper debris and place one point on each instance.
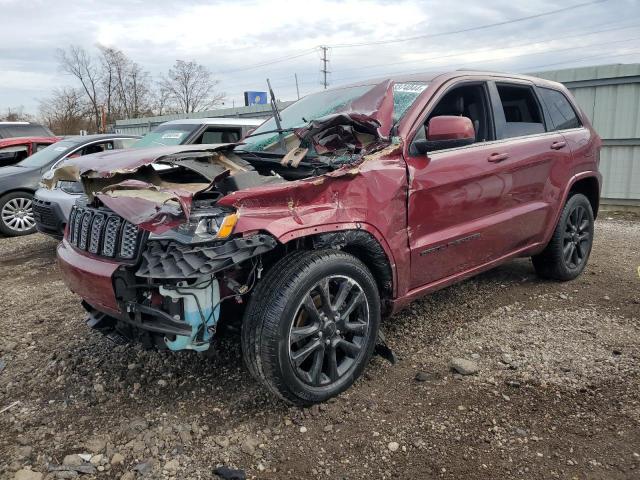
(172, 260)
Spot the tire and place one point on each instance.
(16, 214)
(567, 253)
(289, 334)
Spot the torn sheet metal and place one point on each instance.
(365, 196)
(111, 163)
(151, 207)
(361, 125)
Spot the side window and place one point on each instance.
(469, 101)
(13, 154)
(97, 148)
(124, 142)
(41, 146)
(218, 135)
(562, 114)
(521, 110)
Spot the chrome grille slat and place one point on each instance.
(96, 232)
(84, 230)
(111, 236)
(103, 233)
(128, 240)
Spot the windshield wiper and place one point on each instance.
(276, 117)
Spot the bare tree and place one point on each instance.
(191, 87)
(161, 101)
(16, 114)
(66, 111)
(77, 62)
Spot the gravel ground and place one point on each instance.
(555, 393)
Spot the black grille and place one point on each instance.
(44, 213)
(102, 232)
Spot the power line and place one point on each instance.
(481, 50)
(489, 48)
(440, 67)
(608, 55)
(470, 29)
(270, 62)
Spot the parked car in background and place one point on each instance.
(23, 129)
(360, 200)
(19, 182)
(14, 150)
(195, 131)
(61, 199)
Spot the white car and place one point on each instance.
(52, 207)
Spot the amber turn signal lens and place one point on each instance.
(227, 225)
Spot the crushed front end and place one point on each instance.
(150, 252)
(166, 238)
(162, 289)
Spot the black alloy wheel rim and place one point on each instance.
(329, 331)
(577, 238)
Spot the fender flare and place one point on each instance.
(346, 226)
(565, 196)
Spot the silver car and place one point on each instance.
(52, 207)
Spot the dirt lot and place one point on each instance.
(557, 394)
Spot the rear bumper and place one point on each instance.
(88, 277)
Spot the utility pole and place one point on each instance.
(297, 88)
(324, 65)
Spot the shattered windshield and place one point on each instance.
(323, 103)
(303, 111)
(164, 135)
(404, 94)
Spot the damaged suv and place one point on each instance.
(335, 213)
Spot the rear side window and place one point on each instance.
(562, 114)
(521, 111)
(13, 154)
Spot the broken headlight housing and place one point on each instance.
(204, 225)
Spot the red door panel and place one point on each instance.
(471, 205)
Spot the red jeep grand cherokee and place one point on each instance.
(338, 211)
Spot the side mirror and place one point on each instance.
(447, 131)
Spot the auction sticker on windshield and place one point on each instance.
(174, 135)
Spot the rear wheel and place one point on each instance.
(16, 214)
(311, 325)
(567, 253)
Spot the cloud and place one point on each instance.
(228, 36)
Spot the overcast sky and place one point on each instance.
(235, 38)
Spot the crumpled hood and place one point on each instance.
(108, 164)
(126, 183)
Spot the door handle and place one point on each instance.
(497, 157)
(558, 145)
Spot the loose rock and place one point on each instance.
(464, 366)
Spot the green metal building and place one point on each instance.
(610, 96)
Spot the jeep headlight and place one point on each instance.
(203, 226)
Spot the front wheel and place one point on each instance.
(16, 214)
(311, 325)
(567, 253)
